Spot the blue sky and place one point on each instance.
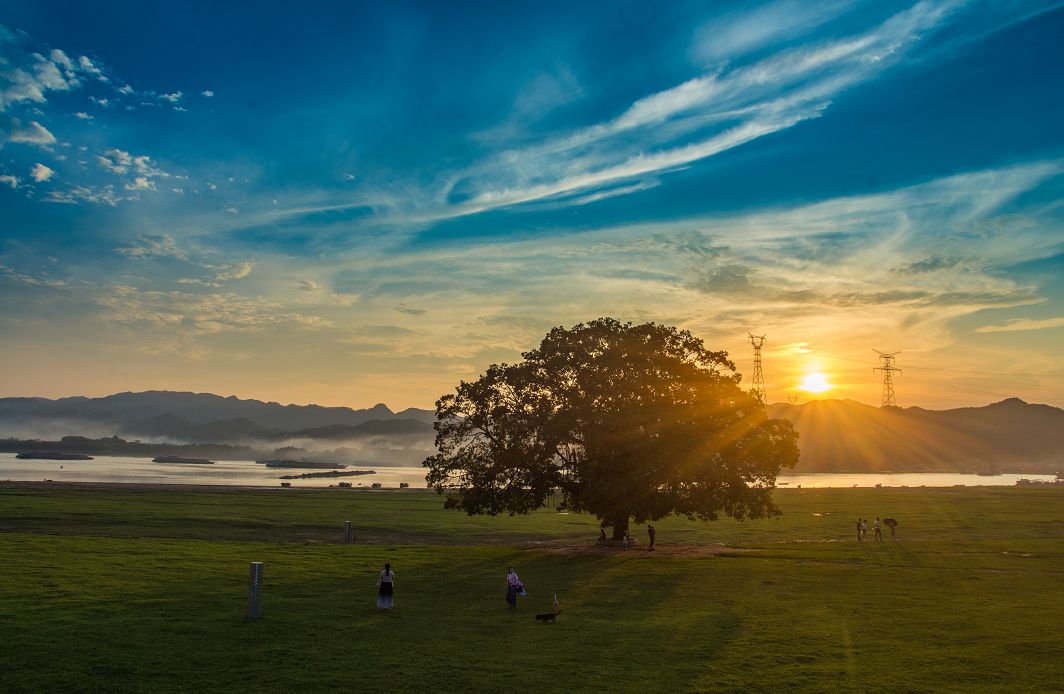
(355, 203)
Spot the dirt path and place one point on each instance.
(664, 550)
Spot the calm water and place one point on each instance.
(233, 472)
(248, 473)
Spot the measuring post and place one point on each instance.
(349, 535)
(254, 590)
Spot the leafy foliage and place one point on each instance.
(627, 421)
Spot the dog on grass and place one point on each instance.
(550, 617)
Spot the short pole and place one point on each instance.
(349, 535)
(254, 589)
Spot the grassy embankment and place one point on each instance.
(146, 590)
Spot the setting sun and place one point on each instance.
(815, 383)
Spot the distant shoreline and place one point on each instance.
(162, 486)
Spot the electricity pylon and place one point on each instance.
(888, 370)
(759, 376)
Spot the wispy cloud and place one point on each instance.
(750, 101)
(220, 274)
(152, 246)
(735, 34)
(1022, 324)
(98, 195)
(667, 130)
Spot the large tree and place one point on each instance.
(627, 421)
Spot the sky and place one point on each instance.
(350, 203)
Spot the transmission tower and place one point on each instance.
(759, 376)
(888, 370)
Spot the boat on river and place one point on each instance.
(51, 455)
(311, 464)
(177, 460)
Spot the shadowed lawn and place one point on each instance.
(146, 590)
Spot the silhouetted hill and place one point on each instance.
(374, 427)
(426, 416)
(162, 425)
(847, 436)
(227, 431)
(182, 415)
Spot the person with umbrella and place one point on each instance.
(888, 521)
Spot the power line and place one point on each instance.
(1017, 374)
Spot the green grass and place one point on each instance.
(115, 590)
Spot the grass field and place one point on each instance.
(145, 590)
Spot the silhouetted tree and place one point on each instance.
(627, 421)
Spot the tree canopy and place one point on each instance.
(627, 421)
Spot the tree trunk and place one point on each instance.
(620, 526)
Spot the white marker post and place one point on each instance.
(254, 588)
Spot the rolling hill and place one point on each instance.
(203, 417)
(847, 436)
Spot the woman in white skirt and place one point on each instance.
(385, 588)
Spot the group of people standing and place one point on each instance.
(877, 528)
(626, 539)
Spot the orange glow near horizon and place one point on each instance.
(815, 382)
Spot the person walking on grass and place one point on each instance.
(858, 529)
(514, 587)
(875, 527)
(864, 527)
(653, 534)
(385, 588)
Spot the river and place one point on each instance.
(247, 473)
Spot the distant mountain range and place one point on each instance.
(847, 436)
(836, 435)
(207, 418)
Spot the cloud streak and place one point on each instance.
(673, 128)
(1021, 324)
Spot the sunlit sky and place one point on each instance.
(351, 203)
